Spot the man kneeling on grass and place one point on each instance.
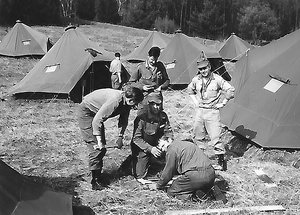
(149, 127)
(193, 167)
(94, 110)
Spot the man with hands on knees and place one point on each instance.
(94, 110)
(149, 128)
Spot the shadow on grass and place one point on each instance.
(238, 145)
(108, 176)
(68, 186)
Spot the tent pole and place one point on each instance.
(83, 83)
(92, 78)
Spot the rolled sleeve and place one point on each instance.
(228, 89)
(191, 89)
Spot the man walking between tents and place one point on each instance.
(116, 71)
(94, 110)
(209, 92)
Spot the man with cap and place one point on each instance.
(209, 92)
(93, 111)
(150, 76)
(149, 128)
(192, 169)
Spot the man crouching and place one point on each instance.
(193, 167)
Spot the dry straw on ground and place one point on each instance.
(41, 139)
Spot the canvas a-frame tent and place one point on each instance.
(234, 47)
(23, 40)
(69, 68)
(181, 55)
(140, 53)
(21, 196)
(266, 107)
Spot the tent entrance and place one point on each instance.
(96, 77)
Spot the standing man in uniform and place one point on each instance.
(116, 70)
(209, 92)
(94, 110)
(151, 76)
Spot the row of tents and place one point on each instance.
(266, 104)
(74, 70)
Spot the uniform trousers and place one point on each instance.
(85, 118)
(188, 183)
(207, 120)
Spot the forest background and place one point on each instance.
(257, 21)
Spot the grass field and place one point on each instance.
(41, 139)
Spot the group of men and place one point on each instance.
(153, 139)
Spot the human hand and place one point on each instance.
(147, 87)
(158, 89)
(99, 146)
(219, 105)
(155, 152)
(99, 142)
(119, 142)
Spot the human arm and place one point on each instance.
(191, 90)
(104, 112)
(101, 144)
(138, 136)
(119, 77)
(227, 90)
(169, 170)
(119, 71)
(122, 125)
(162, 77)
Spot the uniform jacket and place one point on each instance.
(107, 103)
(181, 157)
(149, 131)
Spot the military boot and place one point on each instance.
(96, 183)
(222, 162)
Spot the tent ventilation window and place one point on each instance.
(170, 65)
(51, 68)
(26, 42)
(285, 81)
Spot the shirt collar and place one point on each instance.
(212, 77)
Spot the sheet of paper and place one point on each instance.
(170, 66)
(273, 85)
(26, 43)
(51, 68)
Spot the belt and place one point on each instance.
(211, 108)
(200, 168)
